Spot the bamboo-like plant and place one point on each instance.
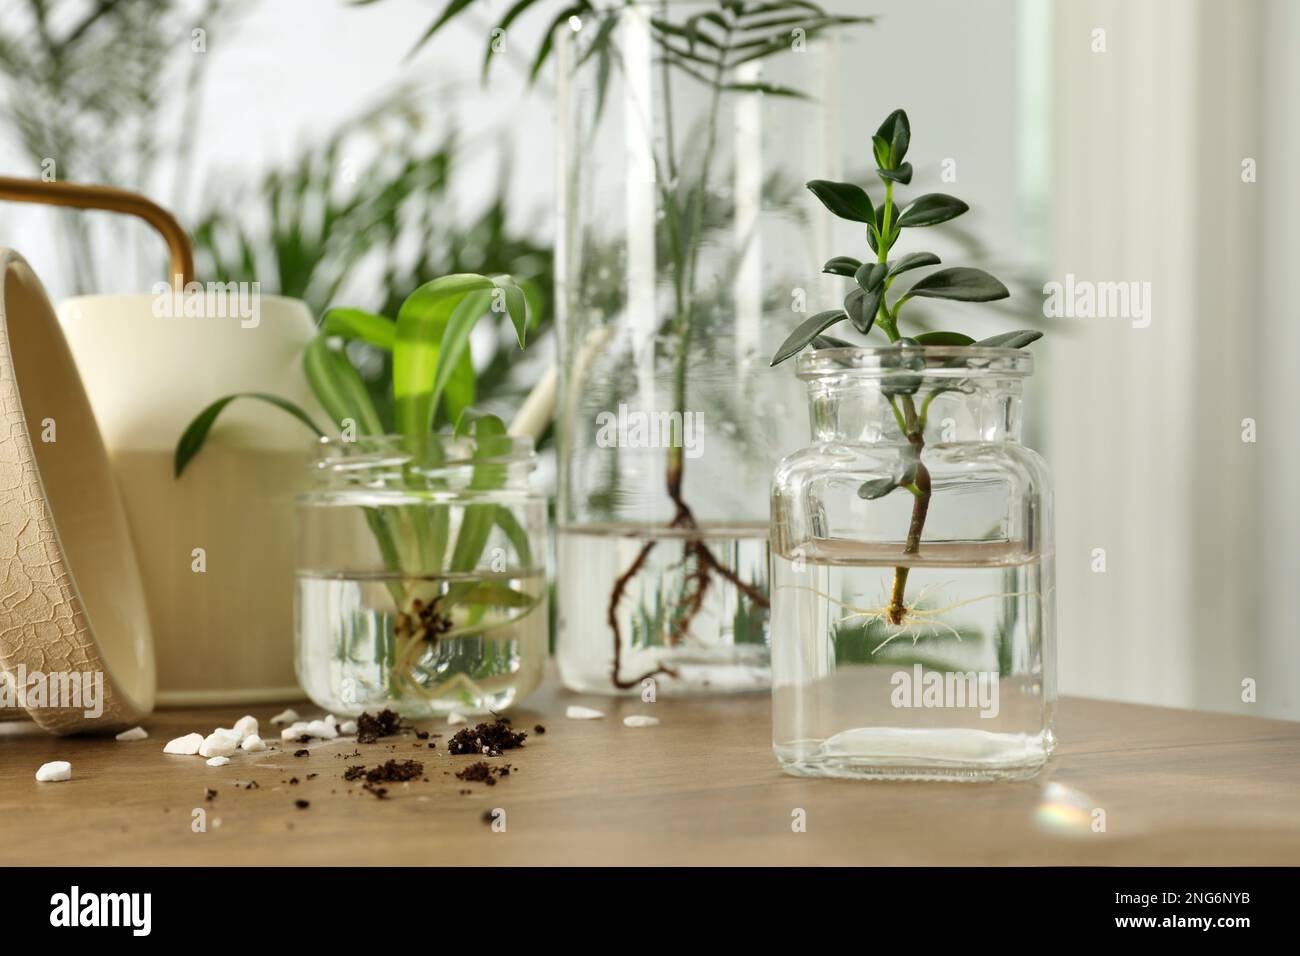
(706, 47)
(431, 370)
(867, 306)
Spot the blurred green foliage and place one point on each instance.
(330, 226)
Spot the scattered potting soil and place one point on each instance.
(392, 771)
(301, 753)
(539, 729)
(370, 728)
(489, 739)
(302, 804)
(483, 772)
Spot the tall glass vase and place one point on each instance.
(685, 242)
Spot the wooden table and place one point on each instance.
(1175, 786)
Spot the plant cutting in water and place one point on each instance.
(868, 306)
(706, 46)
(433, 578)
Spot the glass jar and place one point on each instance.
(914, 626)
(686, 242)
(421, 583)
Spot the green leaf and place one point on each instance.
(548, 38)
(896, 130)
(462, 388)
(842, 266)
(903, 362)
(422, 322)
(374, 329)
(496, 594)
(1010, 340)
(961, 283)
(876, 488)
(196, 432)
(830, 342)
(516, 306)
(767, 89)
(913, 260)
(455, 342)
(844, 199)
(944, 338)
(894, 227)
(494, 38)
(339, 388)
(870, 276)
(690, 32)
(516, 534)
(805, 332)
(448, 13)
(476, 524)
(467, 423)
(903, 174)
(862, 307)
(931, 209)
(880, 148)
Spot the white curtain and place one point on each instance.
(1159, 112)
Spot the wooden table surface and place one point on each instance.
(1176, 787)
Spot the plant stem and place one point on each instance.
(912, 428)
(697, 581)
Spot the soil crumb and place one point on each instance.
(372, 727)
(483, 772)
(489, 739)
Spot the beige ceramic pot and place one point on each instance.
(215, 546)
(71, 602)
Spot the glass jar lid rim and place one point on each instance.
(505, 448)
(945, 360)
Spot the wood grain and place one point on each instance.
(1177, 787)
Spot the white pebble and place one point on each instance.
(331, 720)
(188, 745)
(54, 770)
(285, 717)
(217, 745)
(218, 761)
(246, 727)
(348, 727)
(135, 733)
(574, 712)
(294, 730)
(253, 744)
(318, 728)
(227, 733)
(455, 718)
(640, 720)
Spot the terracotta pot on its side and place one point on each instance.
(72, 610)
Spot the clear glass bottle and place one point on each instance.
(913, 614)
(685, 240)
(421, 583)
